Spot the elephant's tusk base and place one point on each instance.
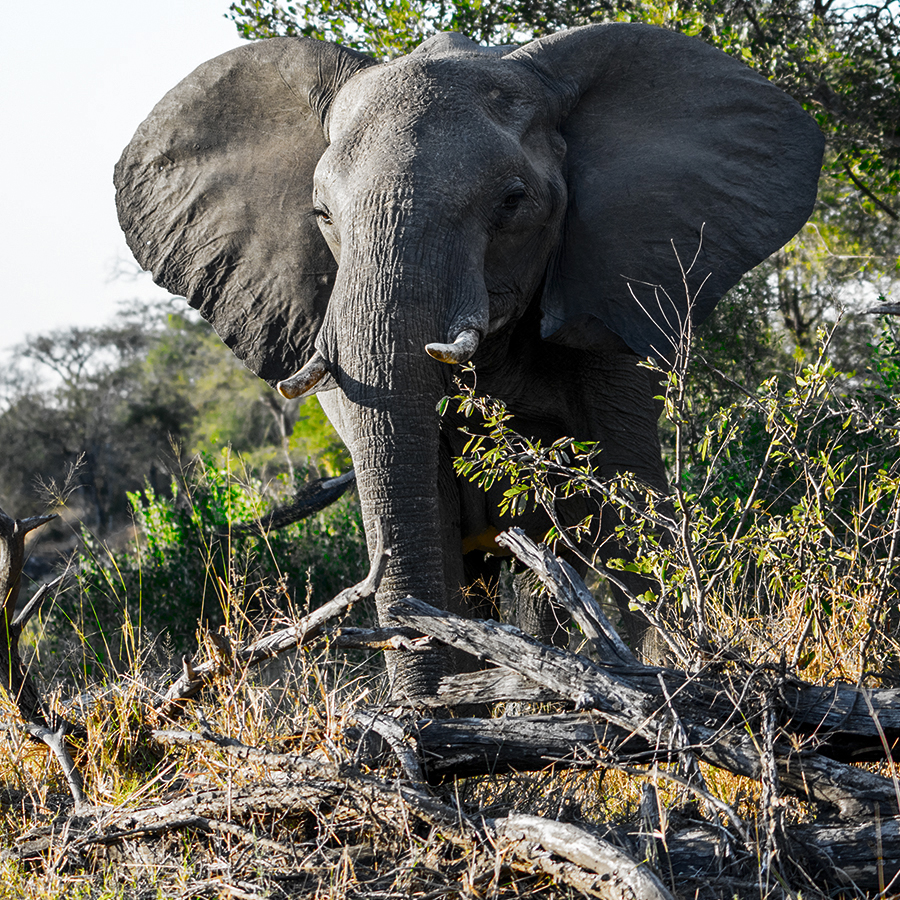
(460, 351)
(305, 380)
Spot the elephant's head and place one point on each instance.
(338, 216)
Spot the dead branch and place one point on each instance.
(616, 875)
(194, 678)
(397, 739)
(641, 711)
(567, 853)
(186, 822)
(571, 593)
(347, 638)
(55, 740)
(14, 676)
(310, 499)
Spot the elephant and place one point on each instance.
(552, 213)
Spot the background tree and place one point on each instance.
(126, 404)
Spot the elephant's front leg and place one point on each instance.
(620, 396)
(404, 516)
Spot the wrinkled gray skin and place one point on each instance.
(303, 196)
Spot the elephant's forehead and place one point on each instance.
(424, 96)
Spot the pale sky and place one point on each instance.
(76, 83)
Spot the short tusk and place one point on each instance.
(460, 351)
(305, 380)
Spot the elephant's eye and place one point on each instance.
(512, 200)
(323, 216)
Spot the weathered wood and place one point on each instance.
(297, 783)
(866, 855)
(310, 499)
(483, 687)
(55, 739)
(621, 877)
(852, 791)
(839, 718)
(348, 638)
(572, 677)
(188, 822)
(466, 747)
(571, 593)
(397, 739)
(836, 715)
(836, 718)
(14, 676)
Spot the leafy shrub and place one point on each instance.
(188, 563)
(781, 532)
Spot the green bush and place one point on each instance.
(188, 564)
(780, 536)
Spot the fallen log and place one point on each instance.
(839, 717)
(835, 720)
(864, 855)
(458, 748)
(566, 852)
(654, 716)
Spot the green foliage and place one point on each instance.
(189, 563)
(129, 402)
(385, 29)
(784, 521)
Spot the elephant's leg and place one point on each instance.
(625, 412)
(405, 509)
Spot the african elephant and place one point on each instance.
(519, 208)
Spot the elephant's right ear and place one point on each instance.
(214, 194)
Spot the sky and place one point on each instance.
(74, 90)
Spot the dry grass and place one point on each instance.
(340, 850)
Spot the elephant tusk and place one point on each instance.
(305, 380)
(460, 351)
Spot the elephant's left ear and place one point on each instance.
(685, 169)
(214, 194)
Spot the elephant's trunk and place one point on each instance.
(379, 321)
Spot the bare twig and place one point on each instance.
(194, 678)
